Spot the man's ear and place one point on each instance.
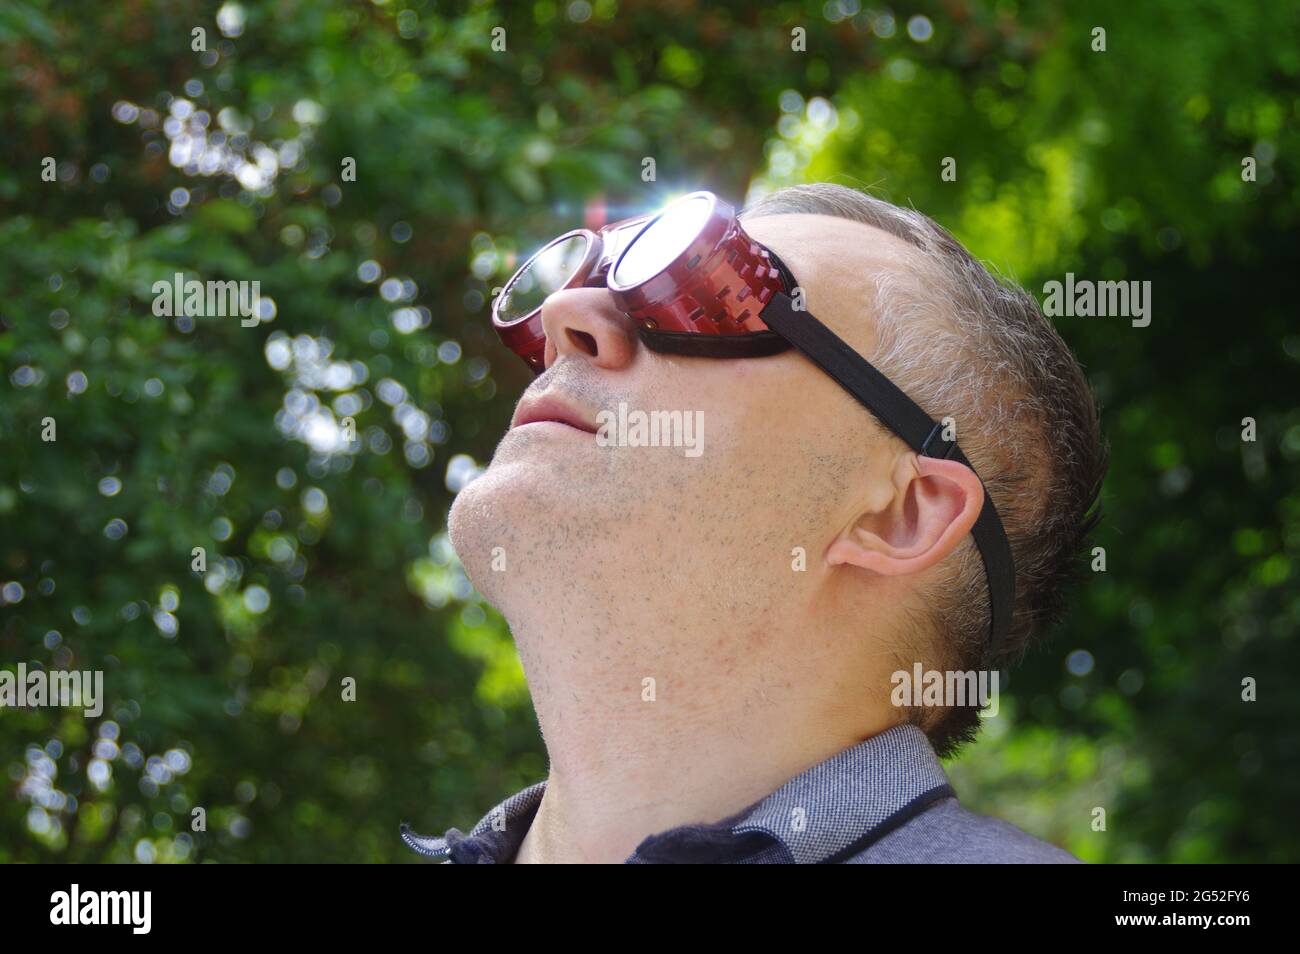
(935, 504)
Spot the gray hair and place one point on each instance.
(1026, 419)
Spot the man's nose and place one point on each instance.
(585, 322)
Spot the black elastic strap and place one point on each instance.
(905, 418)
(758, 344)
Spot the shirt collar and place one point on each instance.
(831, 811)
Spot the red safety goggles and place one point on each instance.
(694, 283)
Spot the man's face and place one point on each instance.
(650, 533)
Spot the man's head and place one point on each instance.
(628, 560)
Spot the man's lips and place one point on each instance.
(550, 407)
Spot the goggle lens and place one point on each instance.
(542, 275)
(661, 242)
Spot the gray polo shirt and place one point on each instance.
(885, 800)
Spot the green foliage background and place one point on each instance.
(224, 687)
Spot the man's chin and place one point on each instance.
(515, 524)
(515, 504)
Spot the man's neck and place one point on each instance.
(680, 738)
